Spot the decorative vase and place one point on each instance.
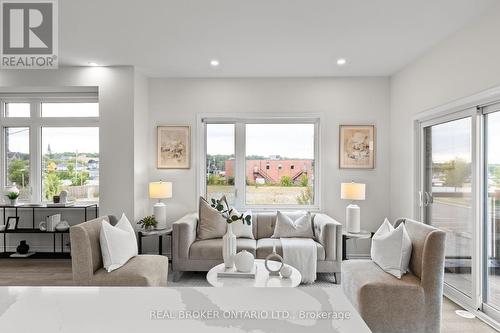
(244, 261)
(229, 247)
(13, 202)
(23, 248)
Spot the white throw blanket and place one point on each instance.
(301, 254)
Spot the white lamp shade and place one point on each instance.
(160, 190)
(352, 191)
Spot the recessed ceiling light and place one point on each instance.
(91, 63)
(214, 63)
(341, 61)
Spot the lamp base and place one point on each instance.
(353, 216)
(160, 214)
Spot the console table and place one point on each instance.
(87, 208)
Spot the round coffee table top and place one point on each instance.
(262, 278)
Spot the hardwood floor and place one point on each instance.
(57, 272)
(35, 272)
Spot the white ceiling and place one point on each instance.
(258, 38)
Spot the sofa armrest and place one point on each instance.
(328, 232)
(184, 234)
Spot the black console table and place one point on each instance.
(87, 208)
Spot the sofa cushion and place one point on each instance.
(212, 248)
(265, 248)
(377, 294)
(142, 270)
(293, 224)
(211, 224)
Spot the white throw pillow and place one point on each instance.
(118, 243)
(293, 224)
(242, 229)
(391, 249)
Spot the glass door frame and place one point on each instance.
(486, 308)
(474, 301)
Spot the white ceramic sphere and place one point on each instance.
(286, 271)
(244, 261)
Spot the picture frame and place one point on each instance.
(357, 146)
(12, 222)
(173, 147)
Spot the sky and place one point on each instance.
(286, 140)
(61, 139)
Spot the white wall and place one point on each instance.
(464, 64)
(141, 148)
(341, 100)
(116, 135)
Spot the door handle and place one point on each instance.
(428, 199)
(420, 199)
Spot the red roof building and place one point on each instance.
(272, 171)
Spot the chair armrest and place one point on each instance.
(184, 234)
(328, 232)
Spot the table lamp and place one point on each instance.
(352, 191)
(160, 190)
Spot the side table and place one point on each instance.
(363, 234)
(160, 233)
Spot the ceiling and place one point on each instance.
(258, 38)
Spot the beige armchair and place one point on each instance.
(88, 270)
(410, 304)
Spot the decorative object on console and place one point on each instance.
(12, 222)
(148, 222)
(244, 261)
(286, 271)
(62, 226)
(23, 248)
(391, 248)
(274, 257)
(357, 147)
(160, 190)
(173, 145)
(63, 197)
(13, 197)
(50, 223)
(56, 199)
(353, 191)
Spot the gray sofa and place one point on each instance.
(192, 254)
(410, 304)
(88, 270)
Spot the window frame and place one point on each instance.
(35, 123)
(240, 120)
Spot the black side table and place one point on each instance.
(160, 233)
(363, 234)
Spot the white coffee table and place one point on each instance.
(262, 278)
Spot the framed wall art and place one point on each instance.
(357, 147)
(173, 147)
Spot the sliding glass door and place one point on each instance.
(447, 195)
(492, 209)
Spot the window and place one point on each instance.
(220, 161)
(17, 110)
(70, 161)
(70, 110)
(66, 132)
(17, 159)
(254, 163)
